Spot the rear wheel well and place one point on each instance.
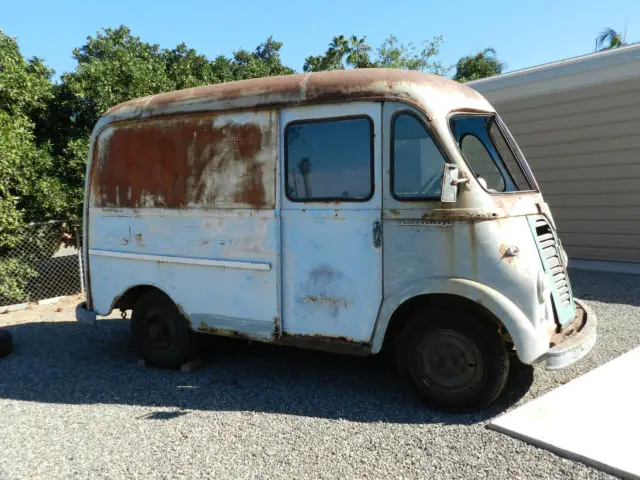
(128, 299)
(404, 313)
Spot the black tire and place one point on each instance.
(160, 333)
(6, 343)
(453, 359)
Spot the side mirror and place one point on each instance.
(450, 182)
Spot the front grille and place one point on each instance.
(549, 251)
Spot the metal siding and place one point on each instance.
(583, 147)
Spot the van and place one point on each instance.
(343, 211)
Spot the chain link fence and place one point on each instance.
(44, 261)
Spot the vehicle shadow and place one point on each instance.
(606, 287)
(72, 363)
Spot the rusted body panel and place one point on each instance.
(187, 204)
(211, 161)
(320, 87)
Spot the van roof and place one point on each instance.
(299, 89)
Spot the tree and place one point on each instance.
(354, 52)
(393, 54)
(482, 64)
(264, 61)
(29, 189)
(608, 39)
(25, 166)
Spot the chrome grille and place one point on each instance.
(549, 251)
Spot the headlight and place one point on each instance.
(543, 286)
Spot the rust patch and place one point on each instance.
(139, 239)
(204, 328)
(506, 255)
(504, 206)
(276, 327)
(334, 304)
(343, 345)
(173, 163)
(333, 86)
(473, 250)
(251, 188)
(322, 280)
(566, 335)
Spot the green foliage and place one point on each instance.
(608, 39)
(355, 52)
(25, 86)
(481, 65)
(15, 275)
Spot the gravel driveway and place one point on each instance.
(74, 403)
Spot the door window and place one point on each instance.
(416, 160)
(329, 160)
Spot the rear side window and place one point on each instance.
(416, 160)
(329, 160)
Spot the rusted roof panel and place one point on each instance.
(334, 86)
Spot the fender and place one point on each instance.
(530, 344)
(103, 309)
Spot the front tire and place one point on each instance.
(160, 333)
(453, 359)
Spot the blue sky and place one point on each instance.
(523, 33)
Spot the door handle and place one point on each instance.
(377, 234)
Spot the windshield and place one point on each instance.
(490, 155)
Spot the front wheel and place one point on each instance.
(453, 359)
(160, 333)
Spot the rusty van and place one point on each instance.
(343, 211)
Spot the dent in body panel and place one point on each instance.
(332, 275)
(207, 161)
(326, 288)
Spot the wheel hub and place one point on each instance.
(159, 331)
(450, 360)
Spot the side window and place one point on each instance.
(417, 161)
(329, 160)
(481, 162)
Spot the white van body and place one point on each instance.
(207, 195)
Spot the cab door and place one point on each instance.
(331, 220)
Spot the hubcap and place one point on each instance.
(450, 360)
(159, 331)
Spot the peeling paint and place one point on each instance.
(181, 162)
(333, 304)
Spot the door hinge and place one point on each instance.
(377, 234)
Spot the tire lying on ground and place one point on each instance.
(6, 343)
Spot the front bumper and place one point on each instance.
(575, 341)
(83, 315)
